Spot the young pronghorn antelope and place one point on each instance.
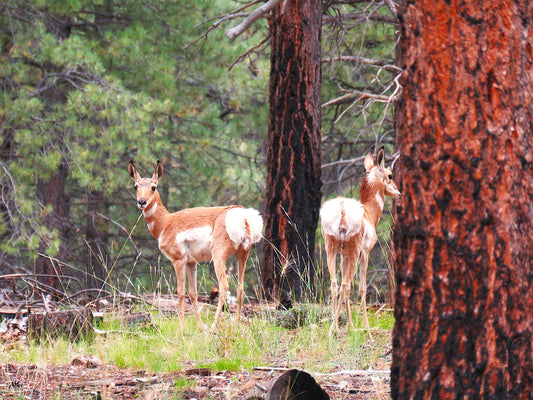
(198, 234)
(349, 228)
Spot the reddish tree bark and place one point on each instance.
(464, 223)
(293, 159)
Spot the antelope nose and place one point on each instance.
(141, 203)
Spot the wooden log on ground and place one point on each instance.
(72, 324)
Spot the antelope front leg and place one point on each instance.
(362, 287)
(223, 286)
(179, 268)
(193, 293)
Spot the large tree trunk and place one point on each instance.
(293, 160)
(464, 223)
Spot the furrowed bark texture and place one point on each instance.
(293, 159)
(464, 224)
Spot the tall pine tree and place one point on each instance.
(293, 163)
(464, 223)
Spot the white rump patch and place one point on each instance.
(196, 243)
(244, 226)
(342, 217)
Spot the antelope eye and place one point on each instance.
(390, 176)
(154, 188)
(135, 187)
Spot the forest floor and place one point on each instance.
(91, 378)
(18, 381)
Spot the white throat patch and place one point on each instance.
(151, 211)
(151, 226)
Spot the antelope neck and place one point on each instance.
(374, 208)
(154, 215)
(372, 196)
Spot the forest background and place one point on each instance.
(88, 86)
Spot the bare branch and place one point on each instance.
(232, 33)
(214, 26)
(344, 162)
(355, 94)
(120, 227)
(256, 49)
(392, 7)
(360, 18)
(364, 60)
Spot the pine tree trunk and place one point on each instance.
(464, 224)
(293, 160)
(96, 237)
(52, 192)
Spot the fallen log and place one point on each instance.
(72, 324)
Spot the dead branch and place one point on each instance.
(344, 162)
(256, 49)
(214, 26)
(358, 18)
(356, 372)
(357, 95)
(232, 33)
(367, 61)
(393, 7)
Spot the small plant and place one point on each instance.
(181, 386)
(301, 315)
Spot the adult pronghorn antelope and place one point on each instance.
(349, 228)
(198, 234)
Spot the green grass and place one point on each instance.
(263, 340)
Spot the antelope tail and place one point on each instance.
(244, 226)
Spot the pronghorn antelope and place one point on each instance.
(198, 234)
(349, 228)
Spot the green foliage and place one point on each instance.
(91, 85)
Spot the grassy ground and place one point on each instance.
(299, 338)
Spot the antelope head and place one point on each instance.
(145, 187)
(378, 174)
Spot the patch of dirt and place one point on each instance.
(18, 381)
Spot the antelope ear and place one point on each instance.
(133, 172)
(158, 173)
(369, 161)
(380, 159)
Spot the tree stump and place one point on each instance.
(72, 324)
